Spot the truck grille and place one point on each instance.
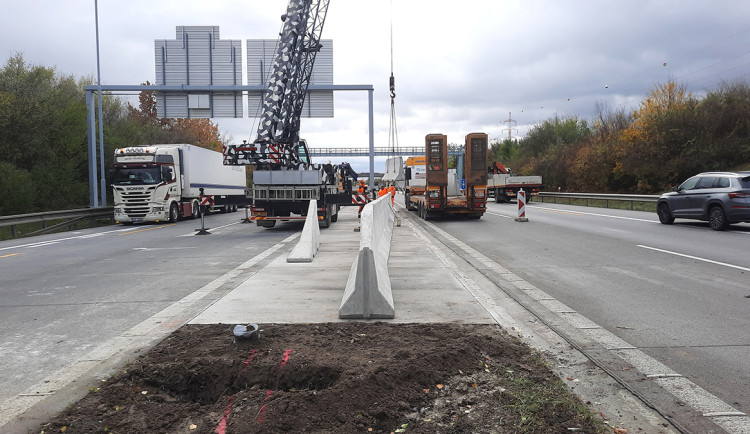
(136, 203)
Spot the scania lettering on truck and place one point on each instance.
(164, 182)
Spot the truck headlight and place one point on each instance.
(158, 209)
(434, 193)
(118, 210)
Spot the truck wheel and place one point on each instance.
(335, 217)
(195, 210)
(499, 197)
(174, 212)
(409, 204)
(266, 223)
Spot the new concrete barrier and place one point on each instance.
(309, 241)
(368, 290)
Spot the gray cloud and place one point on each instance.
(459, 67)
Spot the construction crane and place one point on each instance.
(278, 145)
(284, 179)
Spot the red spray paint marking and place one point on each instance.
(286, 357)
(253, 353)
(262, 413)
(222, 428)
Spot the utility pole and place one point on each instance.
(511, 123)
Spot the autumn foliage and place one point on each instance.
(195, 131)
(672, 135)
(44, 143)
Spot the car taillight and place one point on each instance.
(739, 195)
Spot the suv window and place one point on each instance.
(706, 182)
(689, 184)
(721, 183)
(745, 182)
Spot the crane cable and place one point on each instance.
(392, 131)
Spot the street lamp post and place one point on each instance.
(103, 187)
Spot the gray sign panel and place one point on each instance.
(198, 57)
(260, 56)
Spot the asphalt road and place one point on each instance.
(679, 293)
(63, 295)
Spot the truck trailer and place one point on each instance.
(504, 185)
(427, 191)
(165, 182)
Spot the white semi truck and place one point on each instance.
(165, 182)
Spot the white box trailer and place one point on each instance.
(164, 182)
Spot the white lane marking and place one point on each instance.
(696, 258)
(148, 249)
(211, 229)
(499, 215)
(44, 243)
(593, 214)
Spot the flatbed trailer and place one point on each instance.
(430, 198)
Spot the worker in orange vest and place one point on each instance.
(392, 189)
(361, 191)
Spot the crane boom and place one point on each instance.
(278, 144)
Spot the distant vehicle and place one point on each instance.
(721, 198)
(503, 184)
(160, 183)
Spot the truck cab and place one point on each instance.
(144, 179)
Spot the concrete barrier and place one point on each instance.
(309, 241)
(368, 289)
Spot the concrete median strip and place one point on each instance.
(368, 290)
(309, 241)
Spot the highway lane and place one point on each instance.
(63, 295)
(685, 304)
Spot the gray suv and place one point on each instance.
(720, 198)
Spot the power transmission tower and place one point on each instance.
(511, 123)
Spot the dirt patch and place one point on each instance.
(333, 378)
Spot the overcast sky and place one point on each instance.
(460, 66)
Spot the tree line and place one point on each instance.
(43, 136)
(671, 136)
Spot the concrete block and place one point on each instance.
(309, 241)
(368, 289)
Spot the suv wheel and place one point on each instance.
(716, 219)
(665, 216)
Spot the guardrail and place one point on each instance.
(649, 200)
(72, 216)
